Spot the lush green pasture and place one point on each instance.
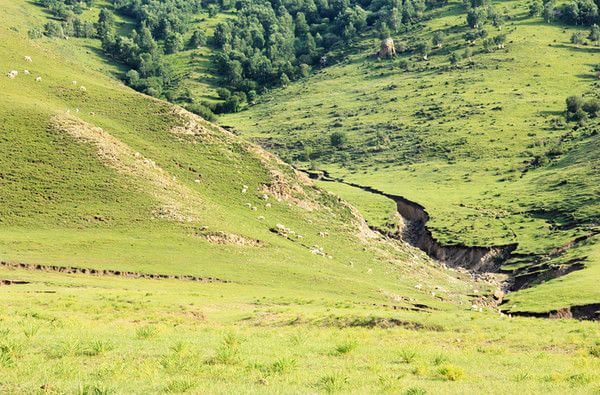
(83, 334)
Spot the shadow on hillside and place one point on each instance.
(107, 60)
(583, 48)
(548, 113)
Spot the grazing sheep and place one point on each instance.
(26, 72)
(77, 110)
(12, 74)
(82, 88)
(38, 79)
(28, 59)
(74, 82)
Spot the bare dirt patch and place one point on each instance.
(119, 156)
(224, 238)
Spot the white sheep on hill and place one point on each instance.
(12, 74)
(28, 58)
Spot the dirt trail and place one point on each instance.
(416, 233)
(108, 272)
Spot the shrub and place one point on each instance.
(574, 103)
(592, 107)
(415, 391)
(337, 139)
(201, 110)
(34, 33)
(595, 351)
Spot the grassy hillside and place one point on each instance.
(460, 140)
(101, 186)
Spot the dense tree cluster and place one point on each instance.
(579, 12)
(575, 12)
(274, 41)
(268, 43)
(70, 25)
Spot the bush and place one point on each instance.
(34, 33)
(337, 139)
(201, 110)
(223, 93)
(574, 103)
(592, 107)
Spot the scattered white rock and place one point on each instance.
(260, 217)
(38, 79)
(370, 271)
(83, 88)
(265, 197)
(74, 82)
(197, 181)
(254, 208)
(26, 72)
(418, 286)
(268, 205)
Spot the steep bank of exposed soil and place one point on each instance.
(414, 231)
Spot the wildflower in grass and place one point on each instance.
(451, 373)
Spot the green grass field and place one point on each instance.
(104, 178)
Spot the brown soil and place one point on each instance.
(108, 272)
(229, 239)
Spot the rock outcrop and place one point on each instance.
(388, 49)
